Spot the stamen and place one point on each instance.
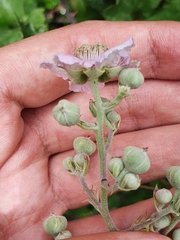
(90, 52)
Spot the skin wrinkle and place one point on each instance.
(57, 188)
(154, 61)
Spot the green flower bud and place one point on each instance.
(163, 196)
(66, 113)
(68, 164)
(63, 235)
(115, 166)
(81, 162)
(162, 222)
(130, 182)
(84, 145)
(131, 77)
(136, 160)
(113, 71)
(176, 234)
(53, 225)
(173, 176)
(113, 117)
(78, 76)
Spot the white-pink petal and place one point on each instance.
(58, 71)
(68, 61)
(111, 57)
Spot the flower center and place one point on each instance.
(88, 52)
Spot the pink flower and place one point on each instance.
(73, 68)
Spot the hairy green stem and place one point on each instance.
(102, 154)
(157, 216)
(92, 199)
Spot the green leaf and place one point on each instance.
(121, 11)
(37, 21)
(8, 36)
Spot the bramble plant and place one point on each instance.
(88, 69)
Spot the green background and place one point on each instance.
(23, 18)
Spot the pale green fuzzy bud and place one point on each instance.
(81, 162)
(131, 77)
(173, 176)
(66, 113)
(130, 182)
(63, 235)
(53, 225)
(115, 166)
(163, 196)
(68, 164)
(113, 117)
(84, 145)
(136, 160)
(162, 222)
(176, 234)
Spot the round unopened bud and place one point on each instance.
(163, 196)
(131, 77)
(173, 176)
(84, 145)
(115, 166)
(162, 222)
(176, 234)
(66, 113)
(130, 182)
(136, 160)
(53, 225)
(81, 162)
(113, 117)
(63, 235)
(68, 164)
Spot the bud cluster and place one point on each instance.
(125, 170)
(84, 147)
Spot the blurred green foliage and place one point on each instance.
(23, 18)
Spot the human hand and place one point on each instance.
(33, 182)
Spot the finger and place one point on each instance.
(123, 218)
(154, 104)
(123, 236)
(23, 81)
(23, 84)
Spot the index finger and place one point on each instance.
(157, 47)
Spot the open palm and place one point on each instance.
(33, 183)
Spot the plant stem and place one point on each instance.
(102, 154)
(109, 140)
(157, 216)
(93, 200)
